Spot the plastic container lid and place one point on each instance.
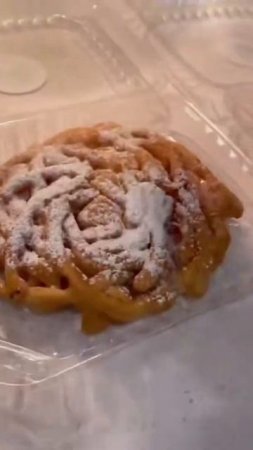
(207, 49)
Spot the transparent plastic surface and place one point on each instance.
(36, 348)
(80, 60)
(98, 67)
(207, 47)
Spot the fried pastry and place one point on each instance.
(112, 222)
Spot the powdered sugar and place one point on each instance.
(105, 207)
(58, 211)
(30, 259)
(119, 139)
(147, 209)
(147, 205)
(110, 231)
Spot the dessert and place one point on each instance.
(112, 222)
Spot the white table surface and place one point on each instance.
(188, 389)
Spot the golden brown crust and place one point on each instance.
(197, 228)
(81, 135)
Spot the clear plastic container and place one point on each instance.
(80, 61)
(35, 351)
(35, 348)
(207, 48)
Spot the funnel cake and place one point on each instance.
(112, 222)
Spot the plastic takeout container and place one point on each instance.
(35, 348)
(35, 351)
(80, 61)
(207, 50)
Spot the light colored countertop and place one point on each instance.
(188, 389)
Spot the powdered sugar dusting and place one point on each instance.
(105, 208)
(30, 259)
(148, 206)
